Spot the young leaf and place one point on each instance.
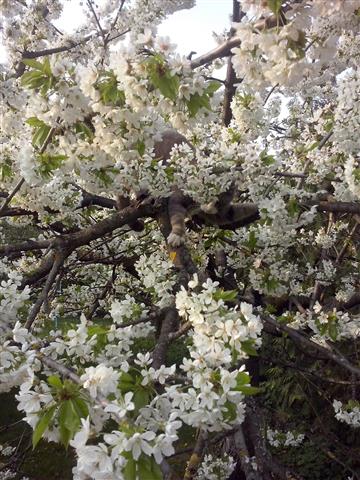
(196, 102)
(69, 421)
(80, 407)
(40, 135)
(55, 381)
(249, 390)
(32, 63)
(141, 398)
(148, 469)
(129, 472)
(275, 5)
(242, 378)
(248, 347)
(252, 241)
(43, 423)
(213, 87)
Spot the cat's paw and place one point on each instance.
(209, 208)
(175, 240)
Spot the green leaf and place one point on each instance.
(126, 383)
(41, 77)
(48, 163)
(249, 390)
(161, 78)
(230, 413)
(275, 5)
(333, 332)
(235, 137)
(41, 131)
(148, 469)
(267, 159)
(34, 79)
(46, 67)
(107, 86)
(82, 128)
(141, 398)
(242, 378)
(170, 173)
(6, 169)
(80, 407)
(196, 102)
(47, 85)
(293, 207)
(40, 136)
(140, 147)
(252, 241)
(167, 84)
(212, 87)
(32, 63)
(34, 122)
(226, 295)
(271, 283)
(69, 421)
(41, 426)
(248, 347)
(129, 472)
(55, 381)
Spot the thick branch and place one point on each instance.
(128, 215)
(196, 457)
(24, 246)
(225, 48)
(337, 207)
(230, 81)
(168, 325)
(221, 51)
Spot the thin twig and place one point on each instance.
(89, 2)
(182, 330)
(58, 262)
(22, 180)
(115, 21)
(347, 241)
(11, 195)
(270, 93)
(305, 342)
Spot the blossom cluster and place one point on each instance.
(215, 468)
(348, 413)
(279, 439)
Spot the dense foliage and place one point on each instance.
(180, 279)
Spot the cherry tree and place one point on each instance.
(180, 253)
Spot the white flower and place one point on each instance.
(100, 379)
(20, 334)
(121, 406)
(138, 443)
(145, 38)
(164, 45)
(81, 437)
(143, 360)
(163, 447)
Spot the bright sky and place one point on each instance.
(189, 29)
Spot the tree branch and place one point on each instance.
(230, 81)
(305, 342)
(58, 262)
(196, 456)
